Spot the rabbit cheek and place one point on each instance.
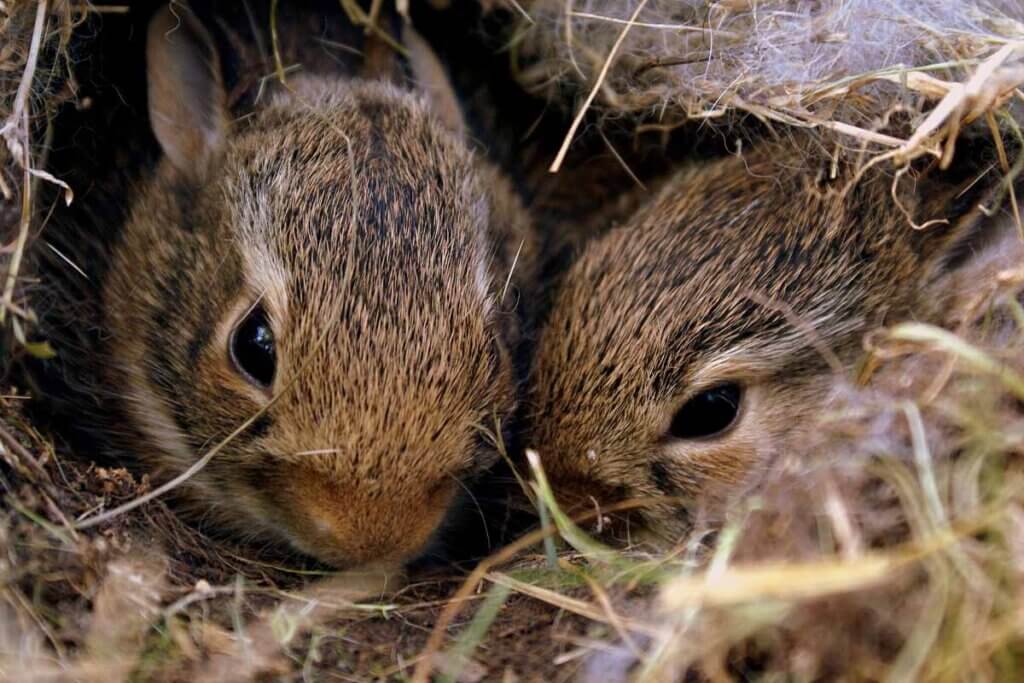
(704, 468)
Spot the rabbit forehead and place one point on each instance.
(362, 193)
(672, 306)
(729, 266)
(373, 163)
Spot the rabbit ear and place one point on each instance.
(187, 101)
(432, 80)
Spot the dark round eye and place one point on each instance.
(252, 348)
(710, 412)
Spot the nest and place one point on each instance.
(891, 546)
(897, 75)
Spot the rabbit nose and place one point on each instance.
(348, 527)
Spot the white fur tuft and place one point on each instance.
(698, 58)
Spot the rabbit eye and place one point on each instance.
(709, 413)
(252, 348)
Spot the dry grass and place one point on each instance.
(867, 71)
(33, 79)
(892, 547)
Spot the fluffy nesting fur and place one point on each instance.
(777, 58)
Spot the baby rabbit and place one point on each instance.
(337, 269)
(689, 346)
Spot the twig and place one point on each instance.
(512, 269)
(622, 162)
(557, 164)
(604, 614)
(612, 617)
(664, 27)
(22, 239)
(358, 16)
(23, 461)
(276, 44)
(1004, 163)
(181, 478)
(25, 86)
(21, 456)
(894, 193)
(814, 338)
(20, 149)
(519, 8)
(569, 42)
(953, 102)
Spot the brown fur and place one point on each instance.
(750, 270)
(379, 245)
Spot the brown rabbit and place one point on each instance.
(691, 345)
(335, 268)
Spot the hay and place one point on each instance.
(33, 81)
(842, 65)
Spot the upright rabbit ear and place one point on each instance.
(187, 101)
(432, 80)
